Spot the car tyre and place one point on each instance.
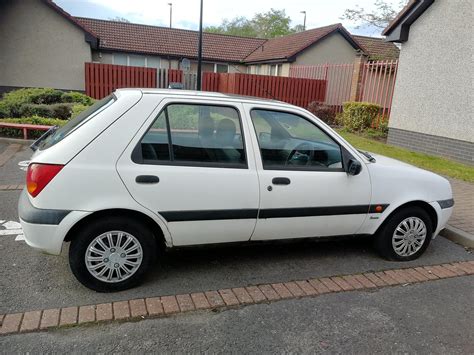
(401, 236)
(90, 248)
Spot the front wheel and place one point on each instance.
(405, 235)
(112, 254)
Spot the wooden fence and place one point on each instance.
(102, 79)
(296, 91)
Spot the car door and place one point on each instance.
(305, 191)
(190, 164)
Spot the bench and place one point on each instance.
(25, 127)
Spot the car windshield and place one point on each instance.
(62, 132)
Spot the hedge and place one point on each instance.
(35, 101)
(18, 133)
(358, 116)
(324, 112)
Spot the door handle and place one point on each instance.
(281, 181)
(147, 179)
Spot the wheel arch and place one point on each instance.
(122, 212)
(418, 203)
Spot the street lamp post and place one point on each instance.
(198, 84)
(171, 13)
(304, 21)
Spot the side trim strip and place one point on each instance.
(446, 203)
(206, 215)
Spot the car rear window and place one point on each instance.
(62, 132)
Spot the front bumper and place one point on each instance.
(443, 216)
(45, 229)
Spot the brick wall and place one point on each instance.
(451, 148)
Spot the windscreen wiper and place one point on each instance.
(34, 147)
(368, 156)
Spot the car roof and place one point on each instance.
(204, 94)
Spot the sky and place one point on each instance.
(186, 12)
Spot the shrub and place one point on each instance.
(323, 112)
(77, 97)
(358, 116)
(62, 111)
(77, 109)
(29, 110)
(18, 133)
(12, 101)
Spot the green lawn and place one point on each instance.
(438, 165)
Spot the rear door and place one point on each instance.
(190, 164)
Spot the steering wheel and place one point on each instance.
(303, 154)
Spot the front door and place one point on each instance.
(305, 192)
(191, 166)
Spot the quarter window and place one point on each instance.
(201, 135)
(291, 142)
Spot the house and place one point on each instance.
(432, 109)
(42, 45)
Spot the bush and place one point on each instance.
(77, 109)
(324, 112)
(18, 133)
(62, 111)
(358, 116)
(29, 110)
(77, 97)
(12, 101)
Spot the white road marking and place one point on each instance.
(12, 228)
(12, 225)
(11, 231)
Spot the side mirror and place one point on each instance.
(354, 167)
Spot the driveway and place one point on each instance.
(414, 318)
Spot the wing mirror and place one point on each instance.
(354, 167)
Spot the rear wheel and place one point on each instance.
(112, 254)
(406, 235)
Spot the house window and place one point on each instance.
(136, 60)
(275, 69)
(257, 69)
(221, 68)
(153, 62)
(120, 59)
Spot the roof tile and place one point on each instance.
(138, 38)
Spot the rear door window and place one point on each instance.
(62, 132)
(196, 135)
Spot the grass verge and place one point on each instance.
(435, 164)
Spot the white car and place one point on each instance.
(146, 169)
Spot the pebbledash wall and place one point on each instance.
(433, 103)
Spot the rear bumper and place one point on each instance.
(45, 229)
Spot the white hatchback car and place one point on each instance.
(145, 169)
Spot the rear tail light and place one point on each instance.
(39, 175)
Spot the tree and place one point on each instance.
(238, 26)
(272, 24)
(119, 19)
(380, 17)
(269, 24)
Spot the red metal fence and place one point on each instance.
(296, 91)
(374, 82)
